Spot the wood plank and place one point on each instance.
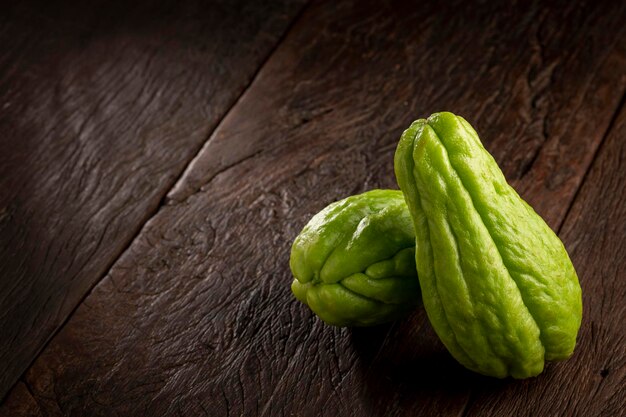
(197, 315)
(593, 381)
(103, 104)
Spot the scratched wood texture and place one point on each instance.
(102, 105)
(196, 316)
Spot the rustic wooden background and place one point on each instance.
(156, 161)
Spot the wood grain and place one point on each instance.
(197, 318)
(103, 104)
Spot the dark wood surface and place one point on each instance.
(103, 104)
(195, 315)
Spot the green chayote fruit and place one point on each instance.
(354, 262)
(497, 284)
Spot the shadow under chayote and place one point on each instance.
(404, 364)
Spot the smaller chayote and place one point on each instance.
(354, 262)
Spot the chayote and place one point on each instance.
(497, 284)
(354, 262)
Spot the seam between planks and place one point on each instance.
(583, 179)
(152, 212)
(165, 199)
(22, 379)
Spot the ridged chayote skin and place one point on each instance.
(498, 286)
(354, 262)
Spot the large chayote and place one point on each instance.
(498, 286)
(354, 262)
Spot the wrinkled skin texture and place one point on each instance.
(354, 262)
(497, 284)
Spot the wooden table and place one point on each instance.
(156, 162)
